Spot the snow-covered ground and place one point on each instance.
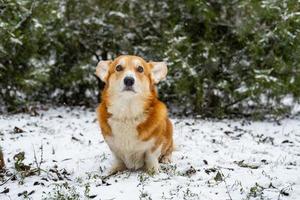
(228, 159)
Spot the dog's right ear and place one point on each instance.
(102, 69)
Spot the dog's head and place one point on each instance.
(130, 75)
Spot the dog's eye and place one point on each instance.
(119, 68)
(140, 69)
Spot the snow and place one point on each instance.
(118, 14)
(214, 159)
(16, 40)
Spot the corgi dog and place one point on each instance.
(133, 122)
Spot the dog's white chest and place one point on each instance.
(125, 144)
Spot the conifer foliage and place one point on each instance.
(224, 57)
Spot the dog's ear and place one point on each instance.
(102, 69)
(159, 71)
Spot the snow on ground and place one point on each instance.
(228, 159)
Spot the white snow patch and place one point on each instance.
(207, 151)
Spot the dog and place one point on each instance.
(133, 122)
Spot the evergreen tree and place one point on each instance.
(224, 57)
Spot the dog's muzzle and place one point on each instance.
(128, 82)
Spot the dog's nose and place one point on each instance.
(128, 81)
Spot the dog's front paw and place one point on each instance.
(152, 170)
(152, 167)
(166, 159)
(117, 167)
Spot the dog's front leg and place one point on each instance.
(117, 166)
(151, 160)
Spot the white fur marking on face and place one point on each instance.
(129, 73)
(121, 62)
(136, 62)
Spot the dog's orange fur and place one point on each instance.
(156, 125)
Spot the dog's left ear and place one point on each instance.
(102, 69)
(159, 71)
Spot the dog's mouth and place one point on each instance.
(129, 89)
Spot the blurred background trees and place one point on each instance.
(225, 57)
